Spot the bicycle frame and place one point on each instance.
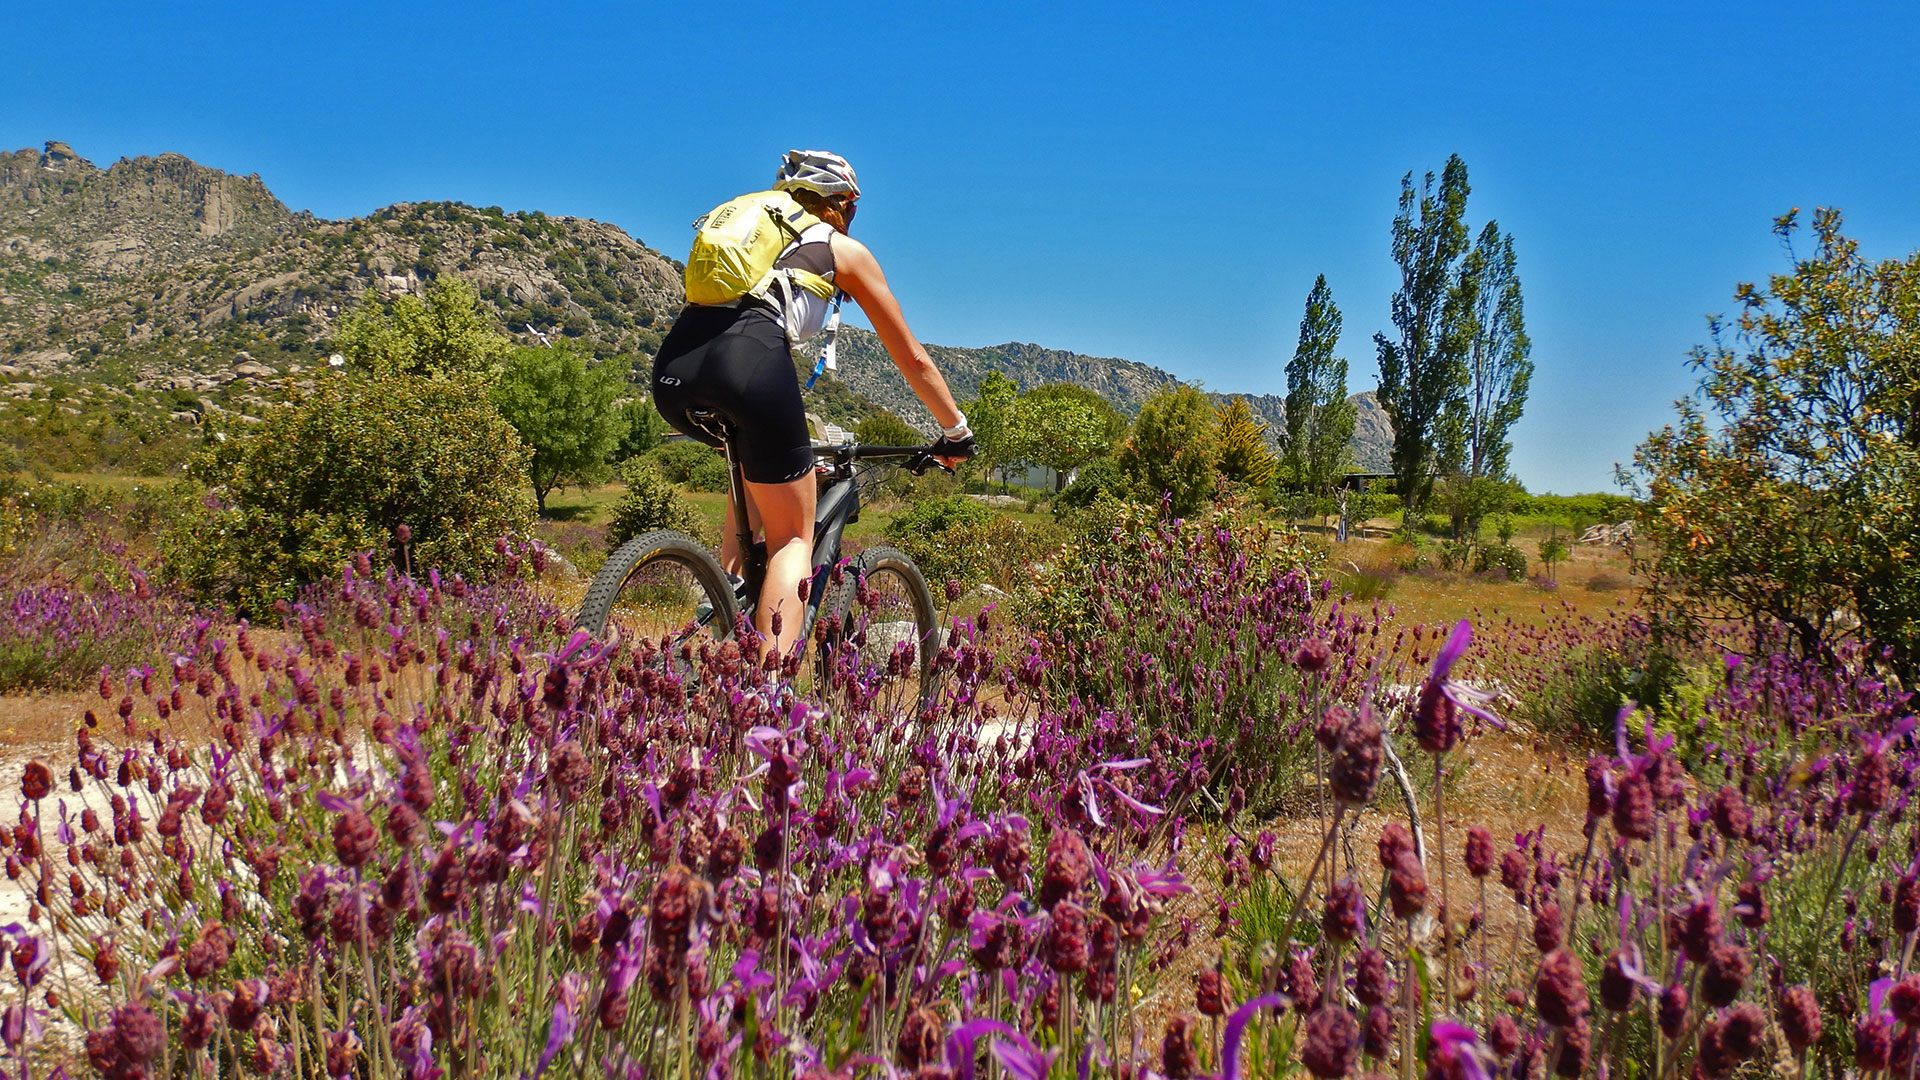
(837, 507)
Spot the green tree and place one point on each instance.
(443, 336)
(1174, 448)
(1243, 455)
(299, 494)
(1489, 328)
(1424, 369)
(1319, 417)
(885, 429)
(1789, 488)
(564, 409)
(1494, 342)
(1063, 427)
(996, 431)
(1553, 551)
(641, 429)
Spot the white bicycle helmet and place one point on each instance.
(818, 171)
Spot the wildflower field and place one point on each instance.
(1177, 808)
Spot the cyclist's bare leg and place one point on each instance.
(785, 513)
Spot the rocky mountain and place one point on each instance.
(157, 275)
(165, 264)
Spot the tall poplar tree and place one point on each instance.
(1319, 416)
(1425, 369)
(1494, 343)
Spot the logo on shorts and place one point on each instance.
(668, 380)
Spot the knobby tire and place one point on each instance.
(662, 546)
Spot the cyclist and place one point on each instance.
(736, 360)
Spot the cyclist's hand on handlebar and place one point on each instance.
(951, 452)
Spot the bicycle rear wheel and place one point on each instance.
(882, 621)
(663, 585)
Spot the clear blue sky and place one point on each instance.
(1159, 182)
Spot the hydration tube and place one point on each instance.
(826, 360)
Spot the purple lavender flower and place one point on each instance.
(1345, 915)
(1353, 764)
(1799, 1015)
(1561, 991)
(1068, 867)
(1178, 1057)
(1674, 1003)
(1479, 853)
(1454, 1053)
(1236, 1027)
(1725, 974)
(1436, 716)
(1330, 1042)
(1372, 984)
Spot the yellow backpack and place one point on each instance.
(736, 244)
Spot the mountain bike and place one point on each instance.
(668, 586)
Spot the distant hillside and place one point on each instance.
(160, 274)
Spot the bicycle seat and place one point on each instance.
(712, 423)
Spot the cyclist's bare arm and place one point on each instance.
(858, 273)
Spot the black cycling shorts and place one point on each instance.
(735, 361)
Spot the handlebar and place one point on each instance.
(920, 458)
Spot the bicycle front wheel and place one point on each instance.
(663, 584)
(883, 620)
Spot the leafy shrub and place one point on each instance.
(1174, 448)
(1503, 558)
(955, 538)
(641, 428)
(935, 515)
(1605, 583)
(1099, 477)
(1366, 583)
(1187, 631)
(885, 429)
(651, 502)
(295, 498)
(695, 464)
(1409, 554)
(1585, 688)
(1580, 509)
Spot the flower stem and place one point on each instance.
(1446, 909)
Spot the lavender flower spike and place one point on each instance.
(1236, 1024)
(1455, 1052)
(1436, 721)
(1017, 1054)
(568, 994)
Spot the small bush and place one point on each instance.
(934, 515)
(651, 502)
(1409, 558)
(295, 498)
(955, 538)
(1586, 691)
(1501, 558)
(1102, 476)
(1605, 583)
(695, 464)
(1367, 583)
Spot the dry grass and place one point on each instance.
(1431, 596)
